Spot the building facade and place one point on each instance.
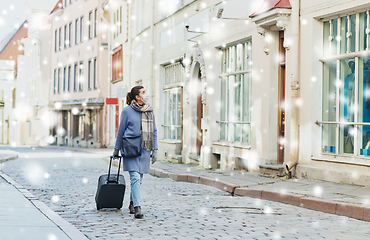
(79, 74)
(12, 81)
(251, 85)
(334, 83)
(35, 93)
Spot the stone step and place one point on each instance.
(272, 170)
(194, 157)
(176, 158)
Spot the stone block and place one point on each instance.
(248, 192)
(366, 214)
(350, 210)
(228, 187)
(318, 205)
(206, 181)
(193, 179)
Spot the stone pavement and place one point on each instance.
(23, 216)
(341, 199)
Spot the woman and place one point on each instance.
(137, 118)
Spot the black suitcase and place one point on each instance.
(111, 189)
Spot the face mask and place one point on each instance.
(145, 97)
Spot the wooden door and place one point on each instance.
(199, 117)
(281, 101)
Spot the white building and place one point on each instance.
(284, 91)
(34, 92)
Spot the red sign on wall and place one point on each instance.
(111, 101)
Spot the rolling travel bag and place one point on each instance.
(111, 189)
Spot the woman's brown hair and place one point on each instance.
(132, 94)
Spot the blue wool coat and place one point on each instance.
(130, 126)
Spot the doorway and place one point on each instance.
(199, 115)
(281, 100)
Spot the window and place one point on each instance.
(65, 36)
(81, 126)
(55, 80)
(56, 41)
(235, 93)
(95, 21)
(90, 25)
(82, 29)
(75, 77)
(114, 24)
(60, 39)
(173, 73)
(118, 22)
(92, 123)
(59, 79)
(95, 74)
(69, 78)
(120, 19)
(117, 64)
(80, 76)
(172, 101)
(64, 79)
(346, 86)
(76, 31)
(70, 34)
(172, 113)
(89, 68)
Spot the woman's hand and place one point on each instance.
(154, 156)
(115, 153)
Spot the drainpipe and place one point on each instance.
(110, 68)
(294, 42)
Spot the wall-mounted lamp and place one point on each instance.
(190, 31)
(220, 12)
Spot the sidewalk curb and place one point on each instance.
(72, 148)
(339, 208)
(8, 158)
(71, 231)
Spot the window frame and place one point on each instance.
(59, 79)
(70, 34)
(117, 60)
(55, 80)
(60, 39)
(80, 76)
(95, 79)
(227, 121)
(56, 41)
(64, 79)
(95, 22)
(65, 36)
(75, 77)
(82, 29)
(69, 78)
(173, 111)
(76, 30)
(91, 18)
(338, 58)
(89, 69)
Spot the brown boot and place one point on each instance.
(138, 213)
(131, 207)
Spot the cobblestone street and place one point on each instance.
(66, 182)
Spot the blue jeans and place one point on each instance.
(136, 179)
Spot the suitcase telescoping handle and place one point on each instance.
(119, 166)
